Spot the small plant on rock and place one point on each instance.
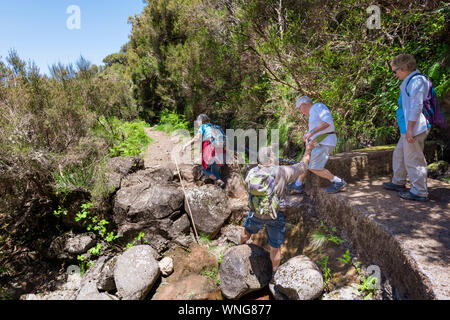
(345, 258)
(326, 271)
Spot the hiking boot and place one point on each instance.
(411, 196)
(294, 189)
(336, 187)
(393, 186)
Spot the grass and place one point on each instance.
(74, 177)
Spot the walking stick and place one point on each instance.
(187, 201)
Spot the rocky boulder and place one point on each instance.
(299, 279)
(69, 245)
(209, 205)
(145, 201)
(244, 269)
(119, 167)
(135, 272)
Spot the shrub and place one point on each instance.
(171, 121)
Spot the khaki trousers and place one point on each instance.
(409, 160)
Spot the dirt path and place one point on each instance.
(159, 151)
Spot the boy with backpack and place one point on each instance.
(266, 185)
(417, 111)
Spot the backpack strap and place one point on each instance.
(409, 80)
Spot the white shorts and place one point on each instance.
(319, 157)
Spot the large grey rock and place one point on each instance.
(135, 272)
(119, 167)
(179, 227)
(88, 286)
(209, 205)
(106, 281)
(145, 201)
(299, 279)
(152, 175)
(244, 268)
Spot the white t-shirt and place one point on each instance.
(318, 114)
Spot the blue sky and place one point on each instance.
(38, 30)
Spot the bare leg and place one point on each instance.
(275, 257)
(324, 173)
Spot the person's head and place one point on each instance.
(202, 119)
(266, 156)
(304, 104)
(402, 65)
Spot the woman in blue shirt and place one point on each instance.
(213, 150)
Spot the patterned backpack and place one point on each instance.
(262, 197)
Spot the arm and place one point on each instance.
(317, 129)
(288, 174)
(191, 142)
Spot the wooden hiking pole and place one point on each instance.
(187, 201)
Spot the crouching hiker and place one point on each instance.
(213, 148)
(266, 185)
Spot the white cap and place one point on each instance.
(302, 100)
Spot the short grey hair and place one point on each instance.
(405, 61)
(265, 154)
(302, 100)
(203, 118)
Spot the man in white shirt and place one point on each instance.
(321, 129)
(408, 159)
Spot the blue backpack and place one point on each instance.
(431, 109)
(217, 135)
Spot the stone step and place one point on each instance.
(409, 241)
(363, 164)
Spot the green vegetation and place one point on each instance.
(345, 258)
(320, 238)
(128, 138)
(136, 240)
(367, 287)
(171, 121)
(326, 271)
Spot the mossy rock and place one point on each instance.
(378, 148)
(436, 169)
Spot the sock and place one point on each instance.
(336, 179)
(298, 183)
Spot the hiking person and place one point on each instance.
(213, 148)
(408, 159)
(266, 188)
(321, 129)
